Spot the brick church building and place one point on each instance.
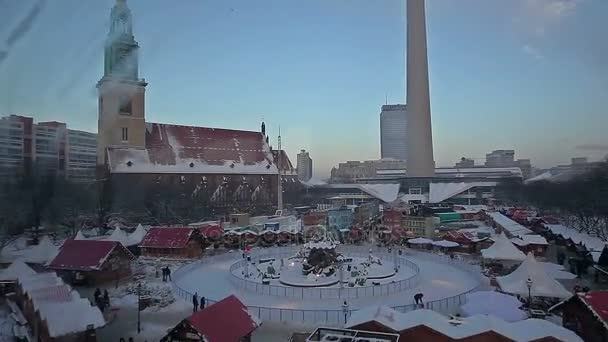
(186, 171)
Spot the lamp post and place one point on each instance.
(529, 285)
(138, 308)
(341, 270)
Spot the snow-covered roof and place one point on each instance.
(42, 253)
(85, 255)
(503, 249)
(445, 243)
(79, 236)
(525, 330)
(385, 192)
(119, 235)
(543, 284)
(591, 243)
(494, 303)
(54, 300)
(137, 236)
(439, 192)
(80, 312)
(534, 239)
(557, 271)
(547, 175)
(16, 270)
(313, 182)
(420, 241)
(190, 149)
(509, 225)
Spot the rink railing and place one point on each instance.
(449, 305)
(346, 292)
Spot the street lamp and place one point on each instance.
(529, 285)
(341, 270)
(138, 308)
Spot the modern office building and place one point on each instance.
(304, 166)
(49, 146)
(393, 132)
(500, 158)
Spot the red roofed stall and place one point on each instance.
(225, 321)
(586, 314)
(172, 243)
(92, 261)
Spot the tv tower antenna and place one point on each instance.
(280, 178)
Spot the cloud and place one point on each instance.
(593, 147)
(532, 51)
(538, 18)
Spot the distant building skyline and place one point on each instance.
(50, 147)
(304, 166)
(393, 131)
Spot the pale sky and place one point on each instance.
(529, 75)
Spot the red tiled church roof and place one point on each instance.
(167, 237)
(84, 255)
(224, 321)
(190, 149)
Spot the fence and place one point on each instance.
(325, 292)
(448, 305)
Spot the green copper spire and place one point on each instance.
(121, 58)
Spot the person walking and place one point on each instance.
(169, 273)
(164, 274)
(195, 302)
(202, 303)
(106, 298)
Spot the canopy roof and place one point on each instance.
(503, 249)
(541, 282)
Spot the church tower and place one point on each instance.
(121, 120)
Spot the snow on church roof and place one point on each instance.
(189, 149)
(525, 330)
(503, 249)
(543, 284)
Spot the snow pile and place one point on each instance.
(503, 249)
(446, 244)
(493, 303)
(534, 273)
(18, 269)
(420, 241)
(42, 253)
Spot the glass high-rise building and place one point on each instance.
(393, 132)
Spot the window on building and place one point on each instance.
(415, 191)
(125, 134)
(125, 105)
